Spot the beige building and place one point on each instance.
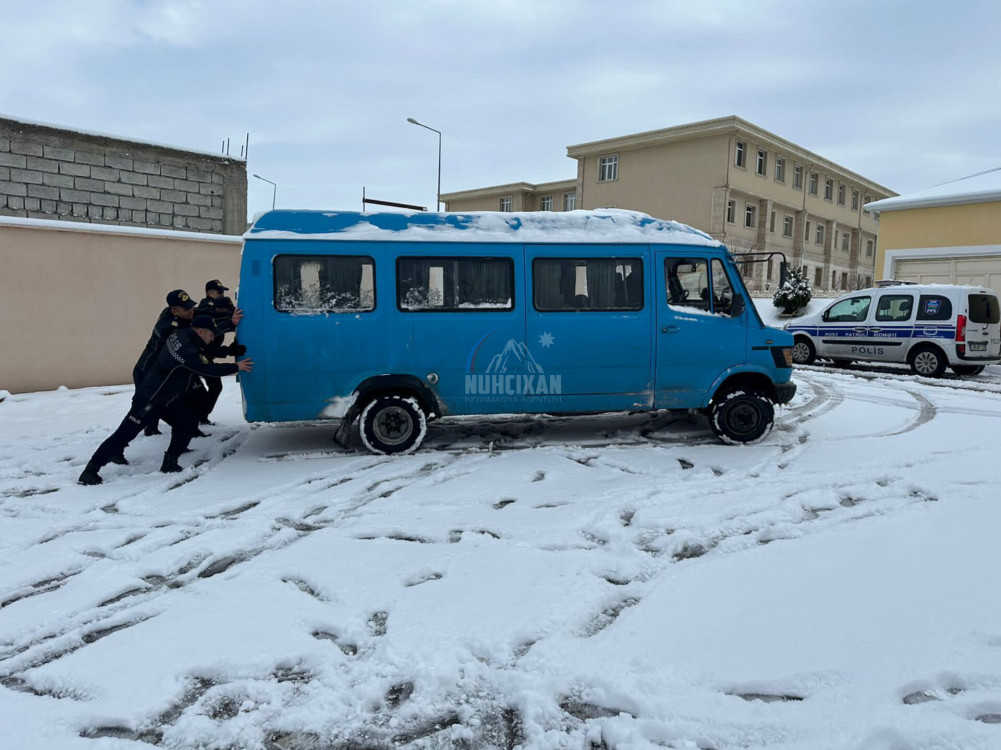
(946, 234)
(747, 187)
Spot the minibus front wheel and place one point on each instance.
(741, 416)
(393, 423)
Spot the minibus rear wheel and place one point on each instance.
(393, 423)
(741, 416)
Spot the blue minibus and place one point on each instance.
(394, 319)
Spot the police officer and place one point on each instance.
(162, 394)
(227, 317)
(177, 314)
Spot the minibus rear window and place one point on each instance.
(592, 284)
(984, 309)
(454, 284)
(315, 284)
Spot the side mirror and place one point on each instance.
(737, 306)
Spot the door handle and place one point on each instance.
(670, 329)
(873, 330)
(859, 330)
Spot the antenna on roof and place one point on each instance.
(223, 150)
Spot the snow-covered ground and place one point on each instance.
(620, 581)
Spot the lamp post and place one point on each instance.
(274, 189)
(411, 120)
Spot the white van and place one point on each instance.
(928, 326)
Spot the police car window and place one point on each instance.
(454, 284)
(894, 308)
(934, 307)
(314, 284)
(851, 310)
(984, 309)
(688, 282)
(587, 284)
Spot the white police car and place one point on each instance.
(928, 326)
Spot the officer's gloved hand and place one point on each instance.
(236, 350)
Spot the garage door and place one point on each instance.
(978, 271)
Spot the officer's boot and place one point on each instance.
(170, 464)
(89, 475)
(119, 459)
(152, 429)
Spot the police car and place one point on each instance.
(927, 326)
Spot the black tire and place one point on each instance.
(841, 362)
(967, 369)
(927, 361)
(741, 416)
(803, 351)
(393, 423)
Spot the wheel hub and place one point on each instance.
(393, 425)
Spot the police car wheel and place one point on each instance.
(803, 352)
(927, 362)
(741, 416)
(967, 369)
(393, 423)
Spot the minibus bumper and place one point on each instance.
(784, 392)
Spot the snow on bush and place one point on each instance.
(795, 293)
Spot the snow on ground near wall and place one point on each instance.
(617, 580)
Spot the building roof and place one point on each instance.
(983, 187)
(603, 225)
(721, 126)
(511, 187)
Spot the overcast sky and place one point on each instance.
(904, 92)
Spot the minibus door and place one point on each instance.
(699, 332)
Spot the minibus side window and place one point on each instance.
(314, 284)
(688, 283)
(587, 284)
(454, 284)
(894, 308)
(934, 307)
(722, 291)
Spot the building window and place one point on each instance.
(868, 248)
(738, 157)
(569, 201)
(454, 284)
(749, 215)
(797, 177)
(608, 168)
(787, 226)
(844, 242)
(828, 189)
(780, 169)
(762, 168)
(505, 203)
(546, 203)
(731, 211)
(841, 194)
(818, 277)
(813, 183)
(771, 222)
(820, 234)
(854, 200)
(865, 199)
(806, 234)
(844, 280)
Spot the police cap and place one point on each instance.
(215, 286)
(180, 298)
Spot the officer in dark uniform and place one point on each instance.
(178, 313)
(226, 316)
(163, 395)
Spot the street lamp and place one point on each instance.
(274, 189)
(437, 205)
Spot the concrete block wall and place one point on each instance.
(52, 173)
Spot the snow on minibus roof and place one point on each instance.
(601, 225)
